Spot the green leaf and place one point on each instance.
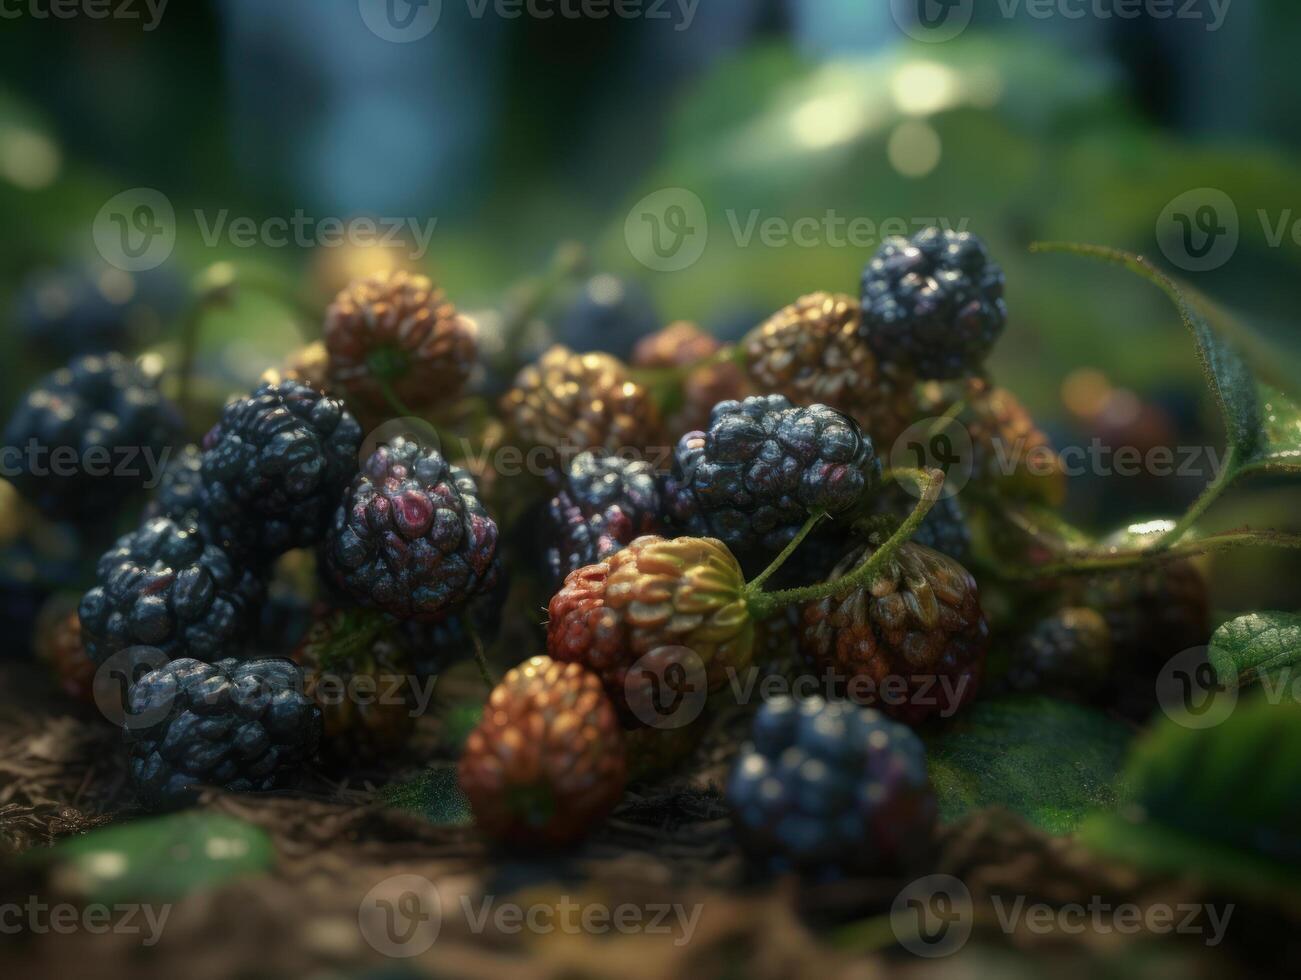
(1227, 374)
(434, 794)
(1263, 422)
(1048, 760)
(162, 858)
(1220, 802)
(1255, 645)
(1279, 449)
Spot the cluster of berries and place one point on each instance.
(654, 575)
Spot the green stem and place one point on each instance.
(763, 604)
(1199, 506)
(756, 584)
(391, 396)
(480, 658)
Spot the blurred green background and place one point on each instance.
(518, 133)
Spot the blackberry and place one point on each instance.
(933, 304)
(653, 595)
(87, 436)
(245, 726)
(396, 330)
(572, 402)
(179, 491)
(912, 643)
(752, 479)
(1065, 655)
(275, 466)
(547, 762)
(831, 789)
(708, 382)
(603, 503)
(93, 310)
(356, 670)
(411, 537)
(166, 585)
(811, 352)
(608, 314)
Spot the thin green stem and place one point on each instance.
(763, 604)
(480, 658)
(1208, 496)
(391, 396)
(756, 584)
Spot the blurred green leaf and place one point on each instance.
(1048, 760)
(1279, 449)
(1221, 802)
(161, 858)
(434, 794)
(1257, 644)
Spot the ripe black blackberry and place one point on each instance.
(275, 466)
(933, 303)
(247, 727)
(179, 491)
(608, 314)
(87, 436)
(603, 503)
(1065, 655)
(87, 309)
(411, 537)
(762, 467)
(166, 585)
(829, 789)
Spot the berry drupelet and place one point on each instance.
(546, 763)
(572, 402)
(397, 331)
(828, 789)
(180, 488)
(411, 537)
(275, 466)
(763, 466)
(933, 304)
(166, 585)
(603, 503)
(245, 726)
(913, 643)
(88, 435)
(811, 352)
(654, 594)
